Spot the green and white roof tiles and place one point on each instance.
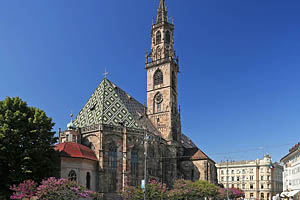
(111, 105)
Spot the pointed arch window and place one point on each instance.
(72, 176)
(173, 80)
(134, 167)
(88, 180)
(158, 37)
(168, 37)
(112, 167)
(112, 156)
(158, 77)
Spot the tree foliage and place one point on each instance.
(154, 190)
(182, 190)
(185, 189)
(26, 144)
(233, 193)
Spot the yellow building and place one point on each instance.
(259, 179)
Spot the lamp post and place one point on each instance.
(146, 139)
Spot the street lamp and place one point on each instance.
(144, 182)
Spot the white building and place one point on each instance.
(259, 179)
(291, 173)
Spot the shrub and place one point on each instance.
(50, 189)
(27, 189)
(154, 190)
(185, 189)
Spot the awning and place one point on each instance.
(284, 194)
(289, 194)
(293, 193)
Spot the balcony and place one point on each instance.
(161, 61)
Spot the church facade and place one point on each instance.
(116, 141)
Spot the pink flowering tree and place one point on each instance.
(27, 189)
(133, 193)
(237, 193)
(181, 189)
(50, 189)
(233, 193)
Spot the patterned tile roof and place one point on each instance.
(111, 105)
(74, 150)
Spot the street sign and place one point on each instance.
(143, 184)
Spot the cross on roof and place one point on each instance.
(105, 73)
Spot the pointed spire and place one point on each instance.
(162, 13)
(162, 5)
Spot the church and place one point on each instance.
(115, 141)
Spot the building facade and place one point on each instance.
(259, 179)
(291, 171)
(121, 133)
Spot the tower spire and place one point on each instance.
(162, 4)
(162, 13)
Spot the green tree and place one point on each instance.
(154, 190)
(26, 144)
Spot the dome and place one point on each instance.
(71, 126)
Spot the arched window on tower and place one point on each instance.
(158, 77)
(134, 167)
(168, 37)
(173, 80)
(72, 176)
(158, 37)
(88, 180)
(158, 98)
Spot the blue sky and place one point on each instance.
(239, 64)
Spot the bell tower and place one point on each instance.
(162, 69)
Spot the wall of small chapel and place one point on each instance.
(81, 167)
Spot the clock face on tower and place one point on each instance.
(158, 98)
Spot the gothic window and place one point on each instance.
(158, 37)
(112, 165)
(158, 53)
(88, 180)
(134, 166)
(72, 176)
(168, 37)
(157, 102)
(112, 157)
(158, 77)
(167, 52)
(151, 152)
(173, 80)
(174, 132)
(192, 175)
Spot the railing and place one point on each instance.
(92, 128)
(161, 61)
